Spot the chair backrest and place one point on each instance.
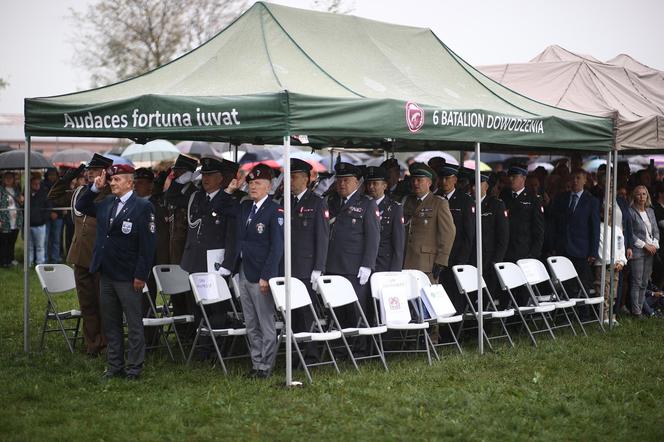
(466, 278)
(299, 294)
(534, 269)
(171, 279)
(562, 268)
(336, 290)
(56, 278)
(510, 275)
(209, 288)
(418, 279)
(392, 279)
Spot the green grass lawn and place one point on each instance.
(603, 387)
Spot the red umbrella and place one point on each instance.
(271, 163)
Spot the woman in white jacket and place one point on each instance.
(619, 261)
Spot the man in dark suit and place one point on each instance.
(260, 248)
(462, 208)
(310, 232)
(354, 239)
(392, 235)
(526, 217)
(123, 254)
(210, 247)
(577, 227)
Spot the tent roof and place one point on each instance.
(621, 88)
(338, 79)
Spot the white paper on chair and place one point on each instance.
(214, 259)
(206, 286)
(437, 302)
(394, 305)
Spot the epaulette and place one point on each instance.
(440, 197)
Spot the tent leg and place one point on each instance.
(607, 193)
(478, 250)
(26, 249)
(234, 147)
(614, 202)
(287, 262)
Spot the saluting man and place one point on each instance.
(123, 254)
(177, 197)
(354, 239)
(526, 218)
(429, 225)
(80, 251)
(260, 248)
(392, 235)
(462, 208)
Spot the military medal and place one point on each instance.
(260, 228)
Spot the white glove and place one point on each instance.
(184, 178)
(364, 274)
(315, 274)
(224, 271)
(197, 176)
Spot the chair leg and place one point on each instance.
(216, 349)
(41, 342)
(64, 333)
(193, 345)
(303, 362)
(456, 342)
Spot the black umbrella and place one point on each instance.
(15, 159)
(5, 148)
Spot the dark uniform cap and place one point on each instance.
(448, 170)
(342, 169)
(119, 169)
(517, 170)
(260, 172)
(99, 161)
(421, 170)
(436, 162)
(298, 165)
(390, 163)
(374, 173)
(484, 177)
(467, 173)
(184, 162)
(211, 165)
(229, 167)
(144, 173)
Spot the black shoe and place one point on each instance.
(263, 374)
(251, 374)
(133, 376)
(108, 375)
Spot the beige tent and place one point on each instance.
(622, 88)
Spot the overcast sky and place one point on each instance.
(36, 52)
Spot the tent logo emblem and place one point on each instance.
(414, 116)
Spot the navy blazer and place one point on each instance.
(124, 250)
(260, 244)
(577, 232)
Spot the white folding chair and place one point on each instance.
(337, 291)
(56, 280)
(161, 324)
(300, 299)
(511, 277)
(563, 270)
(208, 289)
(466, 279)
(537, 275)
(171, 280)
(391, 290)
(420, 282)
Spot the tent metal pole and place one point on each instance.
(26, 248)
(235, 152)
(331, 167)
(614, 202)
(605, 243)
(478, 249)
(287, 260)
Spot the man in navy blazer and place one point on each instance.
(123, 254)
(259, 250)
(577, 226)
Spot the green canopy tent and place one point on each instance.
(278, 73)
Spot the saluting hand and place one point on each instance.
(100, 181)
(233, 186)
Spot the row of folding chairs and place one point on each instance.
(402, 321)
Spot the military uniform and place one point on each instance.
(526, 223)
(80, 254)
(123, 252)
(177, 198)
(354, 240)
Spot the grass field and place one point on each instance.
(603, 387)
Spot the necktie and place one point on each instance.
(344, 200)
(208, 199)
(515, 195)
(114, 208)
(575, 199)
(252, 214)
(295, 201)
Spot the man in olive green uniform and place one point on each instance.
(80, 252)
(429, 225)
(177, 199)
